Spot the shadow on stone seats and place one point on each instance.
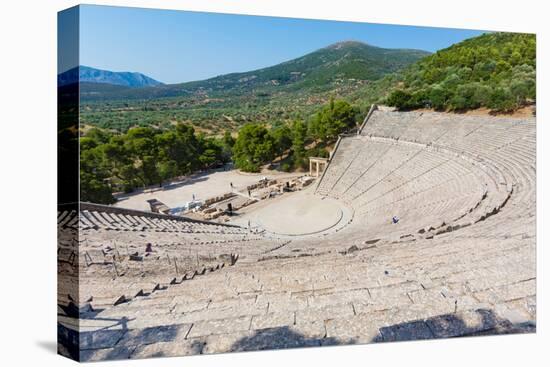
(281, 338)
(82, 346)
(474, 323)
(109, 344)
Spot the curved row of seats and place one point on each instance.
(100, 219)
(118, 255)
(431, 169)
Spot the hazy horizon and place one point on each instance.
(174, 46)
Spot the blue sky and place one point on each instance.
(177, 46)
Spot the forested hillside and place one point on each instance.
(273, 95)
(494, 70)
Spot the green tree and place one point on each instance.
(501, 100)
(94, 176)
(98, 135)
(167, 170)
(253, 147)
(523, 83)
(332, 120)
(400, 99)
(299, 133)
(148, 170)
(208, 158)
(465, 97)
(438, 97)
(282, 139)
(228, 140)
(120, 163)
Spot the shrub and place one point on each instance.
(501, 100)
(400, 99)
(286, 167)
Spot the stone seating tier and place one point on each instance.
(461, 260)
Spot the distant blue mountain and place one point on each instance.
(86, 74)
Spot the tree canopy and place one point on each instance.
(256, 145)
(253, 147)
(494, 70)
(141, 157)
(333, 119)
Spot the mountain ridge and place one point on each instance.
(352, 60)
(87, 74)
